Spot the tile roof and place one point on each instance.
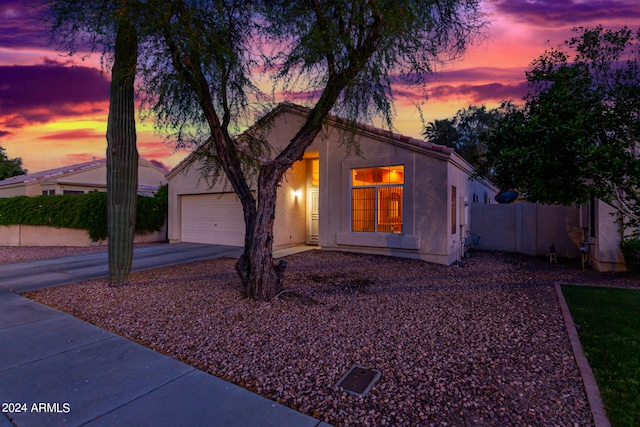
(52, 173)
(288, 106)
(64, 170)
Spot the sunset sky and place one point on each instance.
(53, 109)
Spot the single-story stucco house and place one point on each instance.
(397, 196)
(79, 179)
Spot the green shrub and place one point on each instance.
(152, 211)
(86, 212)
(631, 252)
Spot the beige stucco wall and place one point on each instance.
(21, 189)
(290, 222)
(528, 228)
(531, 229)
(96, 179)
(604, 250)
(30, 235)
(460, 176)
(148, 175)
(16, 190)
(97, 175)
(426, 206)
(424, 215)
(425, 190)
(85, 180)
(289, 227)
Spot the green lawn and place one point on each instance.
(610, 335)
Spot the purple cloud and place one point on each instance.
(21, 25)
(481, 74)
(480, 93)
(479, 85)
(553, 13)
(40, 93)
(502, 84)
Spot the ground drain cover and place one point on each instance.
(358, 380)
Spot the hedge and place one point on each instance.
(85, 211)
(631, 253)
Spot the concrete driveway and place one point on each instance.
(58, 370)
(37, 274)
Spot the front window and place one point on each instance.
(72, 192)
(376, 199)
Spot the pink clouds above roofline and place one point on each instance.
(554, 13)
(48, 91)
(82, 134)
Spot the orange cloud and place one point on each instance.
(73, 134)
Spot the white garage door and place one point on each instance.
(213, 219)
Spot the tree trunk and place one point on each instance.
(122, 155)
(260, 277)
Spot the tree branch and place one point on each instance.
(322, 23)
(187, 65)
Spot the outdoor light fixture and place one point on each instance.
(297, 194)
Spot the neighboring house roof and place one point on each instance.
(66, 176)
(51, 173)
(58, 173)
(383, 135)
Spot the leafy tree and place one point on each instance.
(467, 132)
(577, 136)
(111, 25)
(10, 167)
(442, 132)
(345, 52)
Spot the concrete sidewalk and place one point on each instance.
(58, 370)
(38, 274)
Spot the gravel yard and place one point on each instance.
(27, 253)
(483, 344)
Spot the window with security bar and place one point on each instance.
(377, 199)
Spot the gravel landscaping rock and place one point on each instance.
(28, 253)
(483, 344)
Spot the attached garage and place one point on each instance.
(212, 219)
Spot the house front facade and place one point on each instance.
(395, 195)
(79, 179)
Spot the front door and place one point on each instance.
(313, 215)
